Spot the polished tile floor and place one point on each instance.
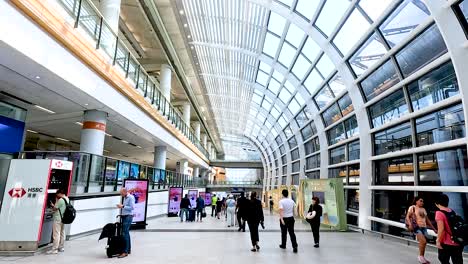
(198, 244)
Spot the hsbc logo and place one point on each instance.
(17, 192)
(59, 164)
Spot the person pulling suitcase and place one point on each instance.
(127, 219)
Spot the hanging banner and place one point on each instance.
(139, 190)
(175, 196)
(207, 199)
(192, 195)
(331, 195)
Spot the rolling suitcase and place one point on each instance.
(191, 215)
(115, 240)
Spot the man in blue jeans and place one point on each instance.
(127, 219)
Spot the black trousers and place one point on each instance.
(241, 223)
(451, 252)
(213, 209)
(288, 227)
(316, 232)
(254, 236)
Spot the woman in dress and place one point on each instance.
(254, 218)
(417, 222)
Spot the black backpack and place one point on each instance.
(458, 228)
(69, 214)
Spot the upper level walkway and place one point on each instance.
(214, 246)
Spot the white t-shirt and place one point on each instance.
(287, 205)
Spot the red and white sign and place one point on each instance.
(17, 192)
(62, 165)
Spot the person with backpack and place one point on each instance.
(451, 232)
(417, 222)
(58, 231)
(126, 215)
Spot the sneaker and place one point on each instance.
(295, 250)
(316, 246)
(61, 250)
(422, 260)
(52, 252)
(283, 247)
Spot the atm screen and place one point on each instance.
(59, 179)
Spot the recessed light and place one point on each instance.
(79, 123)
(86, 104)
(38, 77)
(188, 36)
(109, 135)
(106, 151)
(32, 131)
(139, 147)
(185, 25)
(44, 109)
(181, 12)
(191, 47)
(62, 139)
(124, 141)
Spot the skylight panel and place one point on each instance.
(287, 55)
(271, 44)
(286, 2)
(294, 106)
(337, 85)
(325, 65)
(282, 121)
(301, 67)
(295, 35)
(289, 86)
(310, 49)
(307, 8)
(331, 14)
(275, 112)
(256, 99)
(374, 8)
(266, 105)
(299, 99)
(264, 67)
(276, 23)
(370, 52)
(278, 76)
(313, 81)
(352, 30)
(284, 96)
(274, 86)
(262, 78)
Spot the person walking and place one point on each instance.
(231, 211)
(241, 207)
(417, 222)
(126, 215)
(58, 231)
(200, 208)
(254, 218)
(286, 209)
(214, 200)
(313, 217)
(219, 207)
(184, 208)
(447, 248)
(271, 205)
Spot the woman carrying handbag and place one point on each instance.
(417, 222)
(313, 217)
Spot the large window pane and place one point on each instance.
(395, 171)
(301, 119)
(282, 149)
(301, 66)
(372, 50)
(351, 127)
(421, 51)
(313, 81)
(393, 139)
(444, 125)
(331, 115)
(292, 142)
(310, 49)
(331, 14)
(444, 168)
(433, 87)
(312, 146)
(352, 30)
(379, 81)
(271, 45)
(313, 162)
(403, 21)
(354, 173)
(288, 132)
(294, 35)
(336, 134)
(296, 166)
(354, 150)
(392, 205)
(284, 160)
(323, 97)
(276, 23)
(337, 85)
(306, 132)
(374, 8)
(389, 108)
(307, 8)
(287, 55)
(346, 105)
(339, 172)
(295, 154)
(325, 65)
(337, 155)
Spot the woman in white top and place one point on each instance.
(231, 210)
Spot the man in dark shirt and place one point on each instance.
(184, 208)
(241, 211)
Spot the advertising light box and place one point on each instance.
(139, 189)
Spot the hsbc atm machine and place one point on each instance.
(26, 216)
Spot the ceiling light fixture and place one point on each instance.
(109, 135)
(188, 36)
(79, 123)
(138, 147)
(124, 141)
(181, 12)
(106, 151)
(44, 109)
(62, 139)
(32, 131)
(185, 25)
(38, 77)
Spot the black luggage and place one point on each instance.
(191, 215)
(115, 240)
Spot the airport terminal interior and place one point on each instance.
(360, 103)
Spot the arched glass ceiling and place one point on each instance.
(261, 64)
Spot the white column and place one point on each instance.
(196, 171)
(197, 128)
(208, 148)
(204, 140)
(160, 153)
(93, 132)
(182, 166)
(186, 113)
(165, 81)
(110, 10)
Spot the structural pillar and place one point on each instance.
(160, 153)
(182, 167)
(197, 128)
(208, 148)
(186, 113)
(165, 81)
(204, 140)
(110, 10)
(93, 132)
(196, 171)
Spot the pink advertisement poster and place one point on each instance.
(192, 195)
(139, 189)
(175, 196)
(207, 199)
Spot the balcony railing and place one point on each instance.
(257, 183)
(86, 17)
(96, 174)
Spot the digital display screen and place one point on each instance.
(12, 130)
